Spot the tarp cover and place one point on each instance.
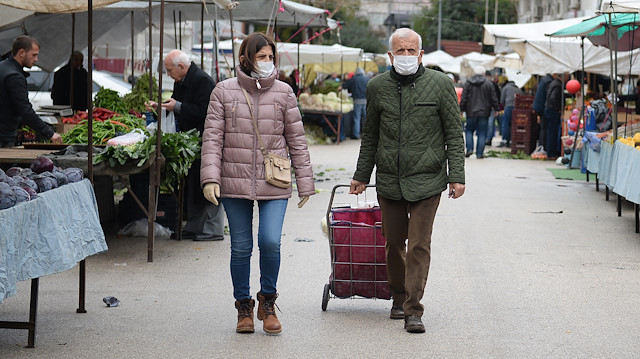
(55, 6)
(48, 235)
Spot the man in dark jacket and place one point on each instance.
(538, 104)
(413, 135)
(357, 85)
(478, 98)
(552, 109)
(508, 101)
(189, 102)
(15, 108)
(61, 93)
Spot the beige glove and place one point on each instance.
(303, 200)
(212, 192)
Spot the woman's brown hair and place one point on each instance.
(250, 46)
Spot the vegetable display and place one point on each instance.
(23, 184)
(103, 130)
(180, 150)
(110, 100)
(140, 94)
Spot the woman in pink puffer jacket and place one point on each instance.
(233, 170)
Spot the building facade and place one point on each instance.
(548, 10)
(387, 15)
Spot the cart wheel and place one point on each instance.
(325, 297)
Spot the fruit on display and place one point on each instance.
(633, 141)
(326, 102)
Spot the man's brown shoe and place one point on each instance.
(397, 313)
(267, 313)
(413, 324)
(245, 315)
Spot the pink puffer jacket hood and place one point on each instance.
(231, 153)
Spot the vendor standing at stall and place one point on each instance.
(189, 102)
(62, 92)
(15, 108)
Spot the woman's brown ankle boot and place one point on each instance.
(245, 315)
(267, 313)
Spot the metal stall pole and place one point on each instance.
(179, 28)
(575, 137)
(132, 53)
(82, 267)
(150, 65)
(153, 169)
(233, 51)
(202, 36)
(175, 30)
(71, 72)
(153, 199)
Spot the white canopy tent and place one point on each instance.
(499, 35)
(557, 55)
(611, 6)
(288, 52)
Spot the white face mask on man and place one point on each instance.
(405, 65)
(264, 68)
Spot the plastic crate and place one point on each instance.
(523, 102)
(525, 146)
(522, 118)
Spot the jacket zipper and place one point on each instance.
(255, 147)
(400, 128)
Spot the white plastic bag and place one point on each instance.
(140, 228)
(168, 122)
(132, 137)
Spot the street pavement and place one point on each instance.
(523, 266)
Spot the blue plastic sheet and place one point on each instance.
(48, 235)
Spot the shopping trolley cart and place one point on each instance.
(358, 265)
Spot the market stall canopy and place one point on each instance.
(468, 62)
(620, 6)
(53, 32)
(283, 12)
(436, 58)
(499, 34)
(557, 55)
(625, 28)
(55, 6)
(288, 52)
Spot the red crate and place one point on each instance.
(522, 118)
(523, 102)
(525, 146)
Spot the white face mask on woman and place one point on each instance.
(264, 68)
(405, 65)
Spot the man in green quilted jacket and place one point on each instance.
(413, 136)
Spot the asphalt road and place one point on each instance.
(524, 266)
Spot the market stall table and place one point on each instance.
(47, 235)
(618, 166)
(327, 116)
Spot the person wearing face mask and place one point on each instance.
(233, 171)
(189, 101)
(413, 136)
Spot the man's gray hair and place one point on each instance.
(403, 33)
(181, 58)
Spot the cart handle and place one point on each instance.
(333, 193)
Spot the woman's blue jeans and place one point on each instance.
(240, 217)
